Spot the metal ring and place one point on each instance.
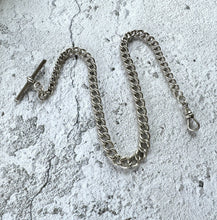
(190, 121)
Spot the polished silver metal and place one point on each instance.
(144, 135)
(30, 82)
(192, 123)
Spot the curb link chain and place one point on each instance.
(144, 135)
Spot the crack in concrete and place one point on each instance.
(72, 41)
(42, 187)
(71, 22)
(78, 111)
(72, 77)
(53, 4)
(79, 129)
(117, 13)
(77, 117)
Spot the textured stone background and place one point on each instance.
(51, 164)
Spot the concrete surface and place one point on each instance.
(51, 163)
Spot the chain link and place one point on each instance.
(144, 135)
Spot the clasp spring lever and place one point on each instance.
(30, 82)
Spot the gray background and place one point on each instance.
(51, 163)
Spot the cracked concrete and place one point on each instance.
(47, 179)
(71, 22)
(51, 163)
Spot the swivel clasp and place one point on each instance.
(192, 123)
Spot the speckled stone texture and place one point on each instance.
(51, 163)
